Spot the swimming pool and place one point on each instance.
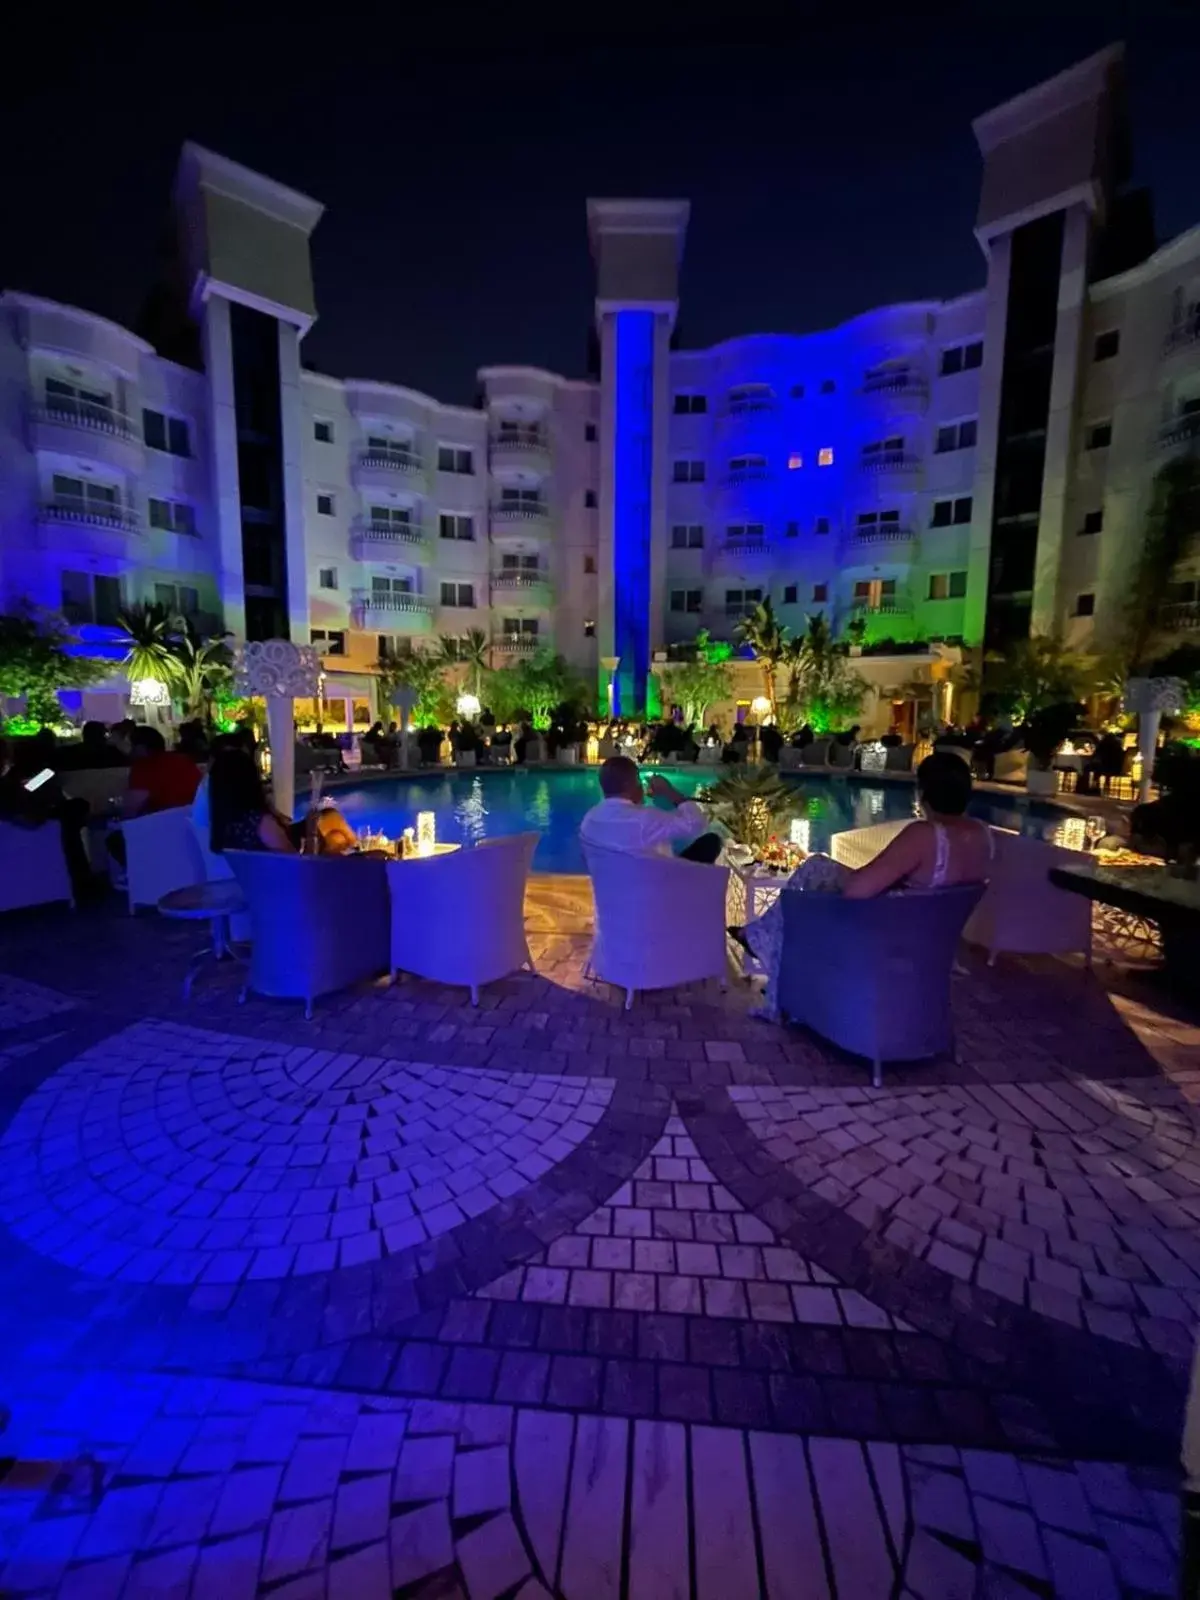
(473, 806)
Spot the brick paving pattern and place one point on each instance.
(551, 1299)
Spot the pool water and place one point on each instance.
(474, 806)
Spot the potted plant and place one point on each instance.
(752, 803)
(856, 635)
(1044, 735)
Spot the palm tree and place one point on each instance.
(469, 650)
(148, 653)
(1171, 522)
(202, 669)
(762, 632)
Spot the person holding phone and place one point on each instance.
(31, 796)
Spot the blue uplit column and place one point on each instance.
(633, 461)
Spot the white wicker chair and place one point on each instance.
(659, 921)
(460, 918)
(160, 855)
(33, 869)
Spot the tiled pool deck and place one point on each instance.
(548, 1298)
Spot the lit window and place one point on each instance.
(825, 456)
(794, 462)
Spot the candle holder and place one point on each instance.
(426, 838)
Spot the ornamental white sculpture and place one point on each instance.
(280, 672)
(1149, 698)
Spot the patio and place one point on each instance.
(550, 1298)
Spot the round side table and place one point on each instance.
(215, 903)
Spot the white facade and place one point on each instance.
(866, 471)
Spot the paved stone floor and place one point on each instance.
(550, 1298)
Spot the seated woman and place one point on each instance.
(241, 818)
(946, 848)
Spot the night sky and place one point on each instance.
(830, 167)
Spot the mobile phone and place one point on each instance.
(38, 779)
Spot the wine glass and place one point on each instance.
(1094, 830)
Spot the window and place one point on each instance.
(589, 566)
(689, 600)
(946, 512)
(828, 386)
(329, 643)
(453, 459)
(1093, 521)
(521, 499)
(687, 536)
(820, 591)
(795, 463)
(747, 464)
(1085, 605)
(742, 532)
(87, 598)
(825, 456)
(589, 499)
(947, 585)
(797, 391)
(324, 505)
(323, 432)
(176, 516)
(391, 516)
(83, 495)
(956, 435)
(881, 519)
(740, 602)
(1099, 436)
(458, 594)
(72, 400)
(327, 578)
(589, 433)
(962, 358)
(453, 526)
(399, 452)
(1107, 344)
(688, 472)
(789, 595)
(821, 525)
(690, 405)
(389, 586)
(166, 433)
(792, 531)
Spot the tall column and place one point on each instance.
(222, 428)
(637, 245)
(291, 418)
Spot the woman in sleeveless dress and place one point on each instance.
(945, 848)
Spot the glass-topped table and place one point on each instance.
(1156, 894)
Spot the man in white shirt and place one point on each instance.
(623, 820)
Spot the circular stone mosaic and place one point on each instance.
(173, 1155)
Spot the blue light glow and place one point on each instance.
(633, 391)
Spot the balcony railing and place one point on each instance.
(1177, 615)
(890, 461)
(886, 606)
(520, 439)
(739, 404)
(897, 383)
(401, 610)
(87, 414)
(519, 580)
(743, 549)
(520, 511)
(750, 474)
(1183, 430)
(93, 514)
(390, 460)
(394, 537)
(516, 644)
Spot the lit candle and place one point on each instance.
(425, 833)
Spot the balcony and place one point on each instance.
(90, 415)
(398, 460)
(896, 384)
(87, 428)
(392, 541)
(891, 542)
(754, 472)
(749, 401)
(899, 461)
(521, 588)
(512, 516)
(396, 612)
(741, 551)
(521, 447)
(1182, 430)
(91, 514)
(1179, 615)
(885, 606)
(516, 644)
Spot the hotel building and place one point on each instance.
(961, 472)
